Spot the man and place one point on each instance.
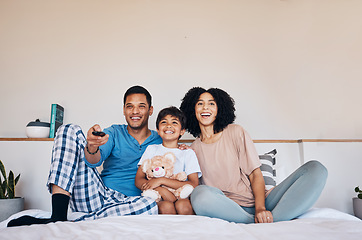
(74, 179)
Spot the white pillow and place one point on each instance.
(328, 213)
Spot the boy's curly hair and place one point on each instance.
(225, 109)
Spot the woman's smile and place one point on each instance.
(206, 109)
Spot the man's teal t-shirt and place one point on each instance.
(120, 156)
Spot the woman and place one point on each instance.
(233, 186)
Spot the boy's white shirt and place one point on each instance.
(186, 160)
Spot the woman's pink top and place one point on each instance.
(227, 163)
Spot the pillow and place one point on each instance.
(267, 168)
(328, 213)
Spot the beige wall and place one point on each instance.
(293, 66)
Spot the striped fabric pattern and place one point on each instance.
(89, 195)
(267, 168)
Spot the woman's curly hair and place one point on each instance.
(225, 109)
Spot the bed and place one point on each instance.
(317, 223)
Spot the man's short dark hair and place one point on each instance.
(138, 90)
(173, 111)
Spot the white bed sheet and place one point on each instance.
(316, 224)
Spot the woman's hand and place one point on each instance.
(258, 187)
(184, 146)
(263, 216)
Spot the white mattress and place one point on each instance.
(316, 224)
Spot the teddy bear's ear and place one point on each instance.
(171, 157)
(145, 165)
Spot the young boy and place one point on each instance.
(170, 125)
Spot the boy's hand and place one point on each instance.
(152, 184)
(166, 194)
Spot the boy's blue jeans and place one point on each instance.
(291, 198)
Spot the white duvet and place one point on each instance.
(315, 224)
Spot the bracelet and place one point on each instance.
(90, 152)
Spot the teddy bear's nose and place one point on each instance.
(156, 169)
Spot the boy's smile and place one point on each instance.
(169, 129)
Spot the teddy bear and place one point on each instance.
(162, 166)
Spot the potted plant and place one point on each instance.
(357, 203)
(9, 204)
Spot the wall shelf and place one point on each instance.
(26, 139)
